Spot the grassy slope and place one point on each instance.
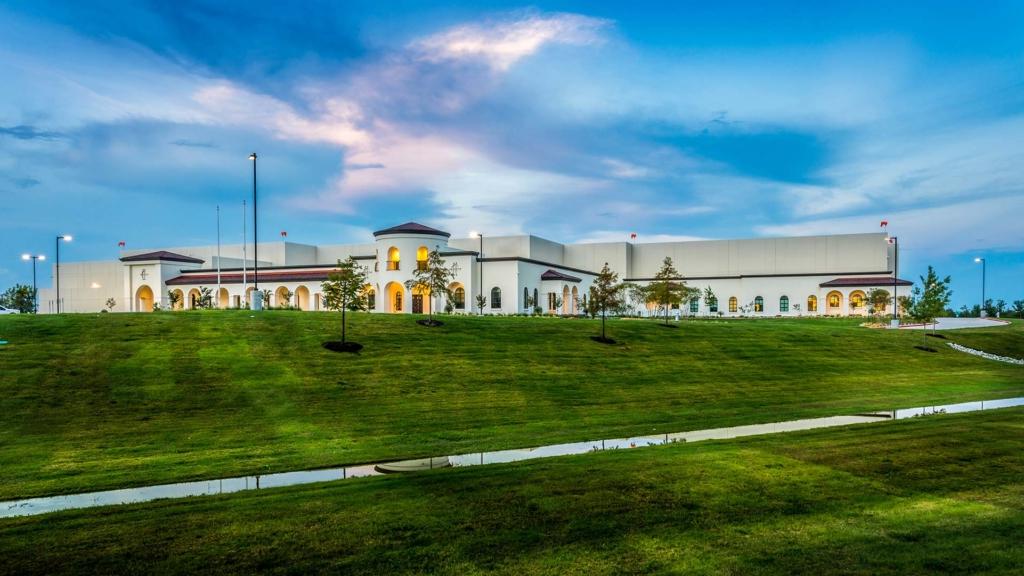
(101, 401)
(1005, 341)
(935, 495)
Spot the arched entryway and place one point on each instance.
(179, 299)
(834, 302)
(458, 294)
(575, 301)
(223, 299)
(282, 297)
(420, 300)
(858, 302)
(144, 299)
(194, 299)
(566, 304)
(395, 295)
(302, 298)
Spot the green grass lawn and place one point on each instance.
(1004, 341)
(111, 400)
(941, 494)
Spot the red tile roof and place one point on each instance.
(870, 281)
(236, 277)
(161, 255)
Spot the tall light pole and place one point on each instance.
(65, 238)
(984, 312)
(895, 278)
(480, 265)
(255, 233)
(35, 291)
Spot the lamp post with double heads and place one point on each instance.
(35, 291)
(64, 238)
(983, 312)
(255, 237)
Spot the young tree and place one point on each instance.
(667, 289)
(931, 298)
(879, 299)
(481, 301)
(343, 290)
(19, 297)
(710, 300)
(637, 297)
(205, 300)
(433, 278)
(606, 294)
(110, 304)
(174, 298)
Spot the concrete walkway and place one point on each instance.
(959, 323)
(43, 505)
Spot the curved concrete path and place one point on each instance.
(958, 324)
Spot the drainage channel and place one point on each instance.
(43, 505)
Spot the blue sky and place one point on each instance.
(573, 120)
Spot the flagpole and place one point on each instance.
(218, 256)
(245, 281)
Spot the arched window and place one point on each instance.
(834, 299)
(714, 304)
(398, 301)
(526, 298)
(495, 297)
(694, 305)
(393, 258)
(784, 304)
(371, 299)
(421, 257)
(733, 304)
(758, 304)
(857, 299)
(460, 298)
(812, 303)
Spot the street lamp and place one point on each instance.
(480, 265)
(984, 312)
(35, 291)
(895, 280)
(256, 241)
(64, 238)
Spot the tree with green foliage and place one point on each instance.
(635, 298)
(710, 300)
(606, 294)
(1018, 308)
(879, 299)
(432, 277)
(174, 298)
(205, 300)
(343, 291)
(667, 289)
(19, 297)
(481, 301)
(930, 299)
(110, 304)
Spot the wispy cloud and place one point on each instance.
(501, 43)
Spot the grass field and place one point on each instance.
(941, 494)
(113, 400)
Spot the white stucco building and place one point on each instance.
(813, 275)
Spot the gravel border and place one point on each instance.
(1006, 359)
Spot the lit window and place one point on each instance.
(733, 304)
(812, 303)
(371, 299)
(421, 258)
(784, 304)
(833, 300)
(393, 258)
(758, 304)
(398, 301)
(857, 299)
(460, 297)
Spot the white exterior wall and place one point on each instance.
(745, 269)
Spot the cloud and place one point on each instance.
(942, 230)
(500, 44)
(23, 132)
